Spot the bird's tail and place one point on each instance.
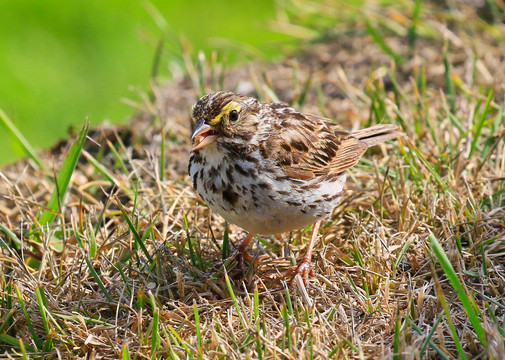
(377, 134)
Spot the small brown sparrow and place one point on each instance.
(270, 169)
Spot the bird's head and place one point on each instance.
(222, 116)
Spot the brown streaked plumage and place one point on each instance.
(269, 168)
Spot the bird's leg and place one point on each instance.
(304, 267)
(240, 254)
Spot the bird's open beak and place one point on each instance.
(203, 134)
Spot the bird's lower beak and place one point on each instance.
(203, 134)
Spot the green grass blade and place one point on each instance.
(12, 341)
(192, 253)
(125, 353)
(256, 304)
(450, 323)
(117, 156)
(64, 176)
(234, 299)
(168, 342)
(463, 296)
(440, 352)
(453, 118)
(119, 267)
(351, 345)
(412, 34)
(285, 317)
(6, 306)
(198, 330)
(306, 87)
(162, 154)
(334, 351)
(182, 342)
(432, 171)
(133, 229)
(430, 335)
(451, 91)
(98, 280)
(7, 232)
(480, 122)
(155, 339)
(103, 170)
(396, 341)
(91, 242)
(23, 350)
(289, 303)
(7, 319)
(28, 320)
(27, 148)
(400, 256)
(379, 40)
(141, 298)
(42, 301)
(92, 269)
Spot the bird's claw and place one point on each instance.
(241, 256)
(304, 269)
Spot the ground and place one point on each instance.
(121, 262)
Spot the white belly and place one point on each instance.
(252, 199)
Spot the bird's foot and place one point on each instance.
(240, 255)
(304, 269)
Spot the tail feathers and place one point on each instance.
(377, 134)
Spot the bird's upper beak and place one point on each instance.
(203, 134)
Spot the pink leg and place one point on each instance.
(240, 254)
(304, 267)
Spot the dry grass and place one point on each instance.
(125, 268)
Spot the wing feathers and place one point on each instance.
(377, 134)
(308, 146)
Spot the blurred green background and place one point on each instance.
(62, 61)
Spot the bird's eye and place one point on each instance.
(233, 116)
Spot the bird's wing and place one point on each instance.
(306, 146)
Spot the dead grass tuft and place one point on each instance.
(126, 266)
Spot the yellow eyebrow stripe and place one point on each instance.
(232, 105)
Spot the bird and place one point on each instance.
(270, 169)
